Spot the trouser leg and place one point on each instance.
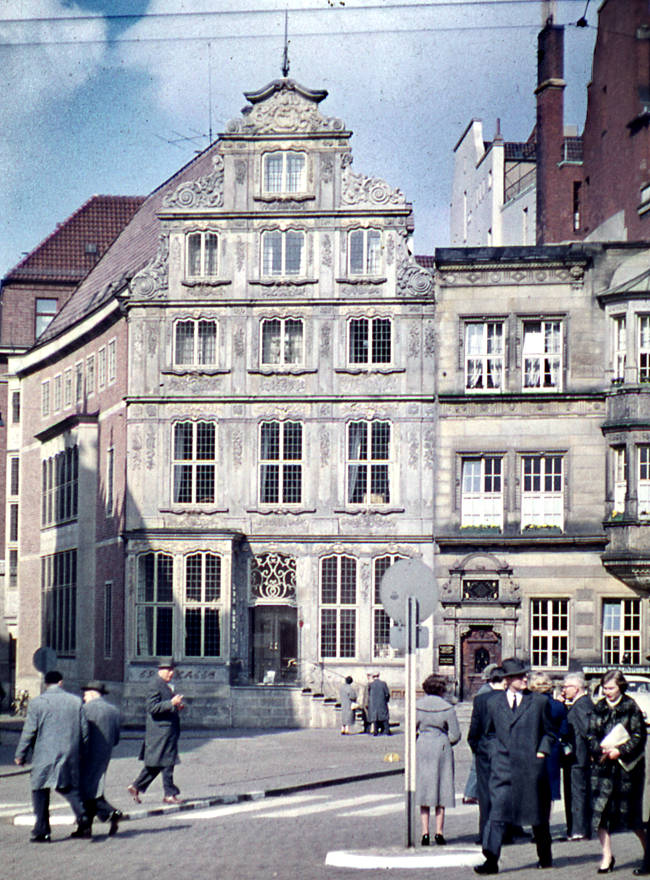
(493, 839)
(41, 804)
(567, 786)
(146, 777)
(104, 808)
(168, 782)
(581, 800)
(542, 835)
(483, 794)
(73, 797)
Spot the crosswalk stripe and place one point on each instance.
(381, 810)
(246, 807)
(285, 813)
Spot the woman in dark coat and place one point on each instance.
(347, 696)
(540, 683)
(618, 772)
(438, 731)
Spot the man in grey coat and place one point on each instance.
(103, 735)
(378, 697)
(162, 730)
(55, 728)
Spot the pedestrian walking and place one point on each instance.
(378, 697)
(577, 760)
(437, 731)
(479, 737)
(55, 729)
(522, 736)
(617, 738)
(541, 683)
(364, 703)
(347, 696)
(162, 731)
(103, 735)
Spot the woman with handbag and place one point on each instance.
(617, 737)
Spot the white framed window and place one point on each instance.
(13, 523)
(369, 462)
(283, 253)
(202, 604)
(281, 463)
(482, 491)
(195, 342)
(108, 620)
(79, 382)
(381, 649)
(484, 361)
(194, 462)
(620, 478)
(45, 311)
(619, 346)
(370, 341)
(14, 475)
(45, 398)
(15, 407)
(154, 608)
(284, 171)
(644, 348)
(282, 341)
(67, 387)
(101, 367)
(364, 252)
(57, 392)
(110, 480)
(90, 375)
(549, 633)
(643, 486)
(621, 631)
(60, 487)
(338, 611)
(542, 355)
(542, 497)
(202, 254)
(111, 356)
(59, 585)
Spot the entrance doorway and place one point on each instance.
(275, 643)
(479, 647)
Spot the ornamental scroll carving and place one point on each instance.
(152, 280)
(205, 192)
(357, 189)
(414, 280)
(273, 578)
(285, 110)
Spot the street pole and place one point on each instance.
(409, 707)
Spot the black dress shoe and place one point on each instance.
(440, 840)
(82, 832)
(115, 818)
(641, 872)
(544, 864)
(488, 867)
(40, 838)
(425, 840)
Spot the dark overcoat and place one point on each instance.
(558, 715)
(55, 728)
(617, 794)
(517, 775)
(347, 696)
(378, 697)
(163, 726)
(577, 768)
(103, 735)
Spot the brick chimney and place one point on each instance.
(550, 134)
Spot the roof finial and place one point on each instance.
(285, 59)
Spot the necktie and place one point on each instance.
(514, 704)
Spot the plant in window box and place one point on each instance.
(616, 516)
(542, 527)
(480, 530)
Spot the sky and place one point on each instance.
(113, 96)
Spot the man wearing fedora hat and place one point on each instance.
(522, 736)
(162, 730)
(103, 735)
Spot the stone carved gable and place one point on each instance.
(372, 192)
(151, 281)
(284, 106)
(205, 192)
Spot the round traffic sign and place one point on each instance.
(408, 577)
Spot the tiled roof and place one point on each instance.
(426, 261)
(522, 151)
(75, 246)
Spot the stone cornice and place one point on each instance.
(508, 542)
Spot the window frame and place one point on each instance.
(332, 614)
(286, 468)
(550, 362)
(283, 342)
(484, 359)
(108, 620)
(623, 633)
(372, 261)
(59, 581)
(205, 270)
(203, 604)
(550, 642)
(157, 605)
(268, 260)
(381, 650)
(373, 466)
(484, 498)
(41, 313)
(285, 174)
(619, 346)
(197, 342)
(90, 375)
(372, 340)
(45, 398)
(197, 468)
(532, 519)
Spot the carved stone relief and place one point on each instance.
(237, 448)
(390, 250)
(152, 341)
(429, 447)
(325, 340)
(429, 341)
(240, 171)
(150, 448)
(414, 342)
(413, 280)
(152, 280)
(357, 189)
(205, 192)
(238, 342)
(241, 254)
(327, 169)
(324, 447)
(414, 451)
(284, 110)
(326, 250)
(135, 458)
(176, 254)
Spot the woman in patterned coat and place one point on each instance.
(618, 773)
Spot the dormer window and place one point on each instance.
(282, 253)
(284, 172)
(202, 254)
(364, 252)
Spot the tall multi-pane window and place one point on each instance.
(542, 497)
(67, 387)
(282, 341)
(619, 346)
(482, 492)
(620, 478)
(101, 367)
(338, 612)
(13, 523)
(365, 252)
(194, 457)
(542, 355)
(154, 610)
(484, 356)
(90, 374)
(13, 568)
(621, 631)
(108, 620)
(14, 475)
(195, 342)
(59, 583)
(45, 311)
(643, 484)
(284, 172)
(202, 255)
(60, 487)
(15, 407)
(45, 398)
(57, 393)
(380, 620)
(644, 348)
(79, 382)
(110, 480)
(202, 596)
(280, 463)
(549, 633)
(283, 253)
(368, 467)
(369, 341)
(111, 357)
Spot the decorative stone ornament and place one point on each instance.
(152, 280)
(284, 106)
(205, 192)
(357, 189)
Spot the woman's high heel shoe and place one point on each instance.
(425, 840)
(609, 867)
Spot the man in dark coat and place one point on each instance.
(522, 736)
(162, 730)
(577, 764)
(55, 728)
(378, 697)
(479, 738)
(103, 735)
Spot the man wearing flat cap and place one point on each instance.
(103, 735)
(522, 736)
(162, 730)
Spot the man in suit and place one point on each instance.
(162, 730)
(577, 764)
(55, 728)
(103, 735)
(479, 738)
(378, 697)
(522, 735)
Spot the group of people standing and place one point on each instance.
(371, 704)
